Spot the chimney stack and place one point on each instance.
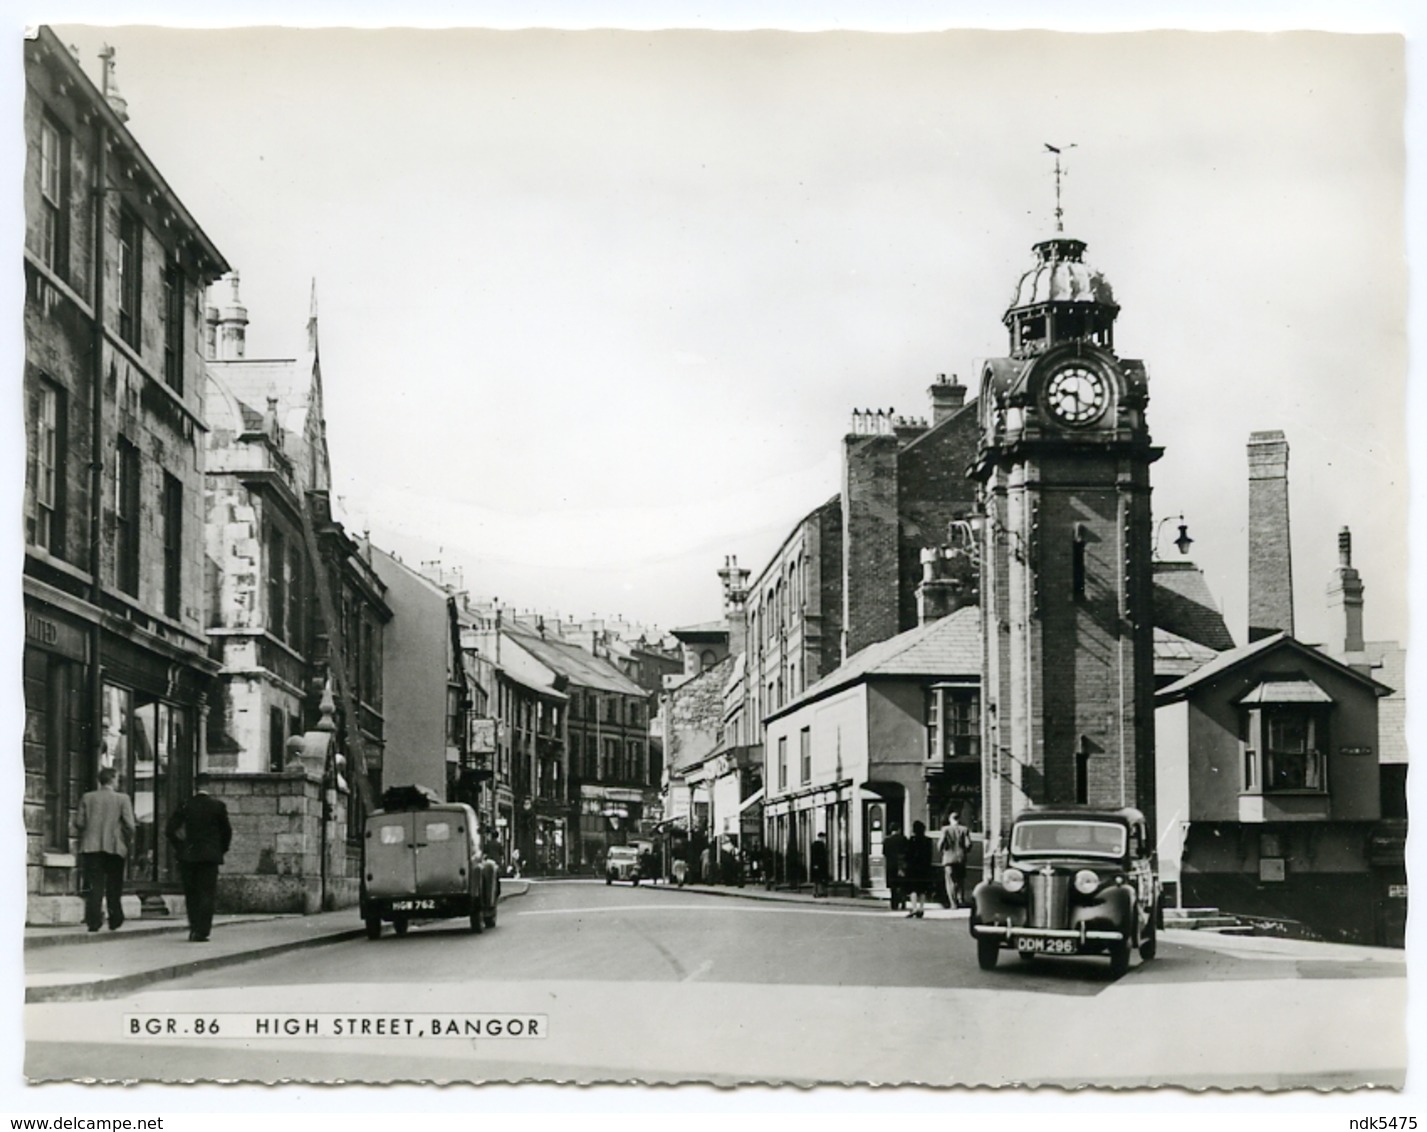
(1270, 551)
(947, 398)
(1345, 591)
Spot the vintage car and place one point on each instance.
(621, 863)
(422, 859)
(1076, 880)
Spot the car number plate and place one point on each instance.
(1045, 946)
(413, 905)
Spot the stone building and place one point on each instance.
(115, 656)
(268, 485)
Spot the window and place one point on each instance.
(1284, 748)
(54, 198)
(130, 272)
(805, 755)
(173, 546)
(173, 327)
(953, 723)
(47, 523)
(126, 518)
(782, 762)
(294, 580)
(277, 584)
(276, 738)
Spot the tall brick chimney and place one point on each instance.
(870, 593)
(947, 397)
(1270, 551)
(1345, 592)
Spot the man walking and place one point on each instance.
(106, 830)
(818, 862)
(955, 846)
(200, 835)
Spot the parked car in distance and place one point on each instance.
(422, 859)
(1078, 880)
(621, 863)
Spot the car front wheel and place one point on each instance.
(1119, 958)
(988, 950)
(1149, 940)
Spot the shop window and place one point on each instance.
(61, 688)
(149, 742)
(126, 517)
(54, 198)
(47, 521)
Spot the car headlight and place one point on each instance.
(1086, 882)
(1013, 880)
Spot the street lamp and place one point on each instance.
(1183, 541)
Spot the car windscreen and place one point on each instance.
(622, 854)
(1069, 838)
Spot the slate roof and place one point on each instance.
(574, 663)
(1184, 606)
(950, 646)
(1232, 658)
(251, 383)
(1175, 656)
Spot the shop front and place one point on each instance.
(151, 710)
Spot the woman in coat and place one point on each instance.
(917, 866)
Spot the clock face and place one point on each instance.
(1076, 395)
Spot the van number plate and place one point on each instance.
(413, 905)
(1046, 946)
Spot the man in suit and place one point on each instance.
(200, 835)
(106, 830)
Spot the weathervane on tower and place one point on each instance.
(1057, 151)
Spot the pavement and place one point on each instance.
(69, 963)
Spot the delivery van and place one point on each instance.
(422, 859)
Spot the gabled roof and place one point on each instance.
(575, 664)
(1184, 606)
(1175, 656)
(1233, 658)
(948, 647)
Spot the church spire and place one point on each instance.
(312, 318)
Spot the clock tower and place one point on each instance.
(1063, 466)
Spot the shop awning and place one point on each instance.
(754, 799)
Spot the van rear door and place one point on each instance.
(391, 860)
(443, 852)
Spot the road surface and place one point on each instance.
(630, 983)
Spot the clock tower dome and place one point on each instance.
(1063, 466)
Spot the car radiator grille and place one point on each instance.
(1050, 900)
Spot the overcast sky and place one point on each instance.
(596, 306)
